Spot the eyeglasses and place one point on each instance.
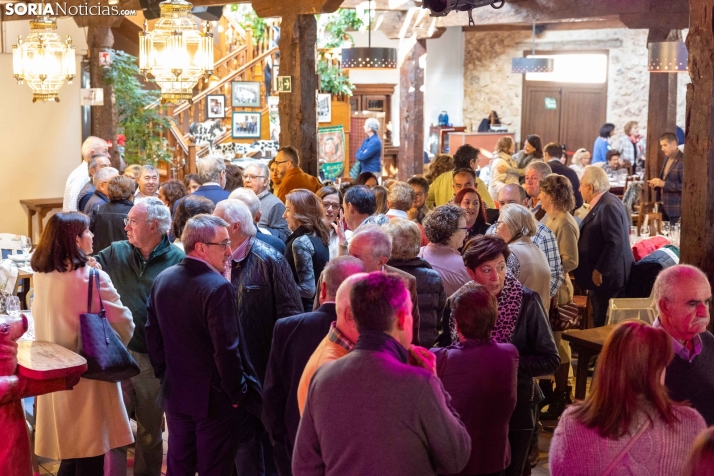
(331, 206)
(130, 221)
(282, 161)
(222, 244)
(250, 178)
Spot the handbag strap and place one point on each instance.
(627, 447)
(94, 276)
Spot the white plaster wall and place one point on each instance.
(489, 84)
(39, 145)
(444, 79)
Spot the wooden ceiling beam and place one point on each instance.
(392, 24)
(273, 8)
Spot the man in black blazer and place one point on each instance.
(552, 154)
(294, 341)
(209, 389)
(212, 176)
(604, 246)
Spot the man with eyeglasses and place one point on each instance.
(287, 161)
(257, 178)
(100, 196)
(133, 265)
(209, 388)
(98, 161)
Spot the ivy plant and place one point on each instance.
(332, 80)
(143, 128)
(335, 27)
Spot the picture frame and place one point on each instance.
(245, 93)
(216, 106)
(324, 108)
(246, 125)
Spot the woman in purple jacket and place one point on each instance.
(480, 375)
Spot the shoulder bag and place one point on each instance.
(107, 357)
(627, 447)
(563, 317)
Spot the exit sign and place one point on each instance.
(551, 103)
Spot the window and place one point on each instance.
(574, 68)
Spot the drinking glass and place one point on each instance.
(12, 305)
(665, 228)
(633, 235)
(26, 245)
(645, 231)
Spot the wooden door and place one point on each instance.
(582, 115)
(537, 119)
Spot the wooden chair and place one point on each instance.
(654, 220)
(628, 180)
(645, 208)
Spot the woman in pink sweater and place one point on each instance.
(628, 425)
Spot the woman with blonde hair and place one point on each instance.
(306, 249)
(580, 160)
(628, 424)
(504, 168)
(701, 459)
(380, 195)
(441, 163)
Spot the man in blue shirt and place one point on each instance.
(370, 152)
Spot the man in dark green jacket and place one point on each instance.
(133, 265)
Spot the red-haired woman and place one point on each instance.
(470, 201)
(628, 424)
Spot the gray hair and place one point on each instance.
(209, 168)
(400, 196)
(104, 175)
(519, 220)
(338, 270)
(379, 241)
(235, 211)
(248, 197)
(93, 163)
(90, 144)
(406, 238)
(200, 229)
(156, 210)
(597, 177)
(264, 170)
(373, 124)
(148, 168)
(541, 167)
(665, 286)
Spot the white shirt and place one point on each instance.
(392, 212)
(138, 196)
(75, 182)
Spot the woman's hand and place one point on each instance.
(502, 169)
(339, 227)
(93, 263)
(421, 357)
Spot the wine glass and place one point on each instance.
(26, 246)
(633, 235)
(645, 231)
(665, 228)
(12, 305)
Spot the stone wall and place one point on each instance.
(489, 83)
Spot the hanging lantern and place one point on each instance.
(668, 57)
(369, 57)
(176, 53)
(44, 60)
(531, 64)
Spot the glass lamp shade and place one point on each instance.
(668, 57)
(176, 53)
(532, 65)
(369, 58)
(44, 60)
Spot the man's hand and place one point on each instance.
(420, 357)
(656, 182)
(597, 278)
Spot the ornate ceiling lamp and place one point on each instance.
(177, 52)
(44, 60)
(531, 64)
(668, 57)
(369, 58)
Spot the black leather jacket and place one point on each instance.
(266, 292)
(430, 297)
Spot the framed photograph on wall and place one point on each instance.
(246, 125)
(324, 108)
(215, 106)
(245, 94)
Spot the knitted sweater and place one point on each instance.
(694, 381)
(661, 450)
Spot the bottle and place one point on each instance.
(446, 118)
(441, 119)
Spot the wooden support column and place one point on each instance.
(657, 115)
(104, 118)
(411, 113)
(697, 242)
(298, 109)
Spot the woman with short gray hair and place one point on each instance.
(516, 225)
(406, 238)
(369, 155)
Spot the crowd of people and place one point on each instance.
(286, 327)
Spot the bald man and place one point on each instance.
(80, 175)
(683, 297)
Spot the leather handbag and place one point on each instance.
(563, 317)
(107, 357)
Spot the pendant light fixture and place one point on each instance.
(369, 58)
(668, 57)
(176, 53)
(44, 60)
(531, 64)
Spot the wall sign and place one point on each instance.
(284, 84)
(91, 97)
(551, 103)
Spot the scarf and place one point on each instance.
(509, 305)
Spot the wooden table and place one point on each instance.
(41, 207)
(587, 343)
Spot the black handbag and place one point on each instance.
(107, 357)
